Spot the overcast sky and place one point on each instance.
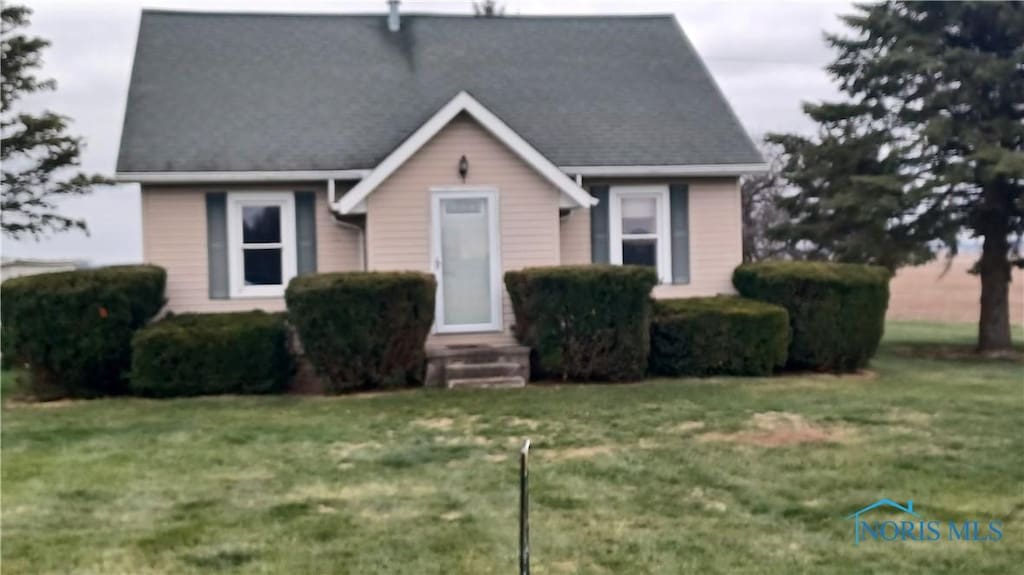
(768, 57)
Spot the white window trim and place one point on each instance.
(664, 229)
(238, 200)
(497, 290)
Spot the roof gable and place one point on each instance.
(257, 92)
(463, 102)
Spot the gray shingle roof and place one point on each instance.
(226, 92)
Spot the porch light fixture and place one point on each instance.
(463, 168)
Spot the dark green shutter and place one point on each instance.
(217, 244)
(599, 241)
(305, 232)
(679, 201)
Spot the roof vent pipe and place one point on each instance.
(394, 20)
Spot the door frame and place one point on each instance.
(494, 245)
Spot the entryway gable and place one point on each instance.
(463, 103)
(399, 213)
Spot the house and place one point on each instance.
(884, 502)
(271, 145)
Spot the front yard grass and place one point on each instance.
(668, 476)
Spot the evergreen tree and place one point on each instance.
(927, 148)
(36, 153)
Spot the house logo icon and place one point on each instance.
(908, 508)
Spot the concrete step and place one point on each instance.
(486, 382)
(467, 370)
(501, 365)
(478, 353)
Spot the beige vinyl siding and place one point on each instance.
(716, 239)
(716, 236)
(174, 237)
(339, 248)
(399, 211)
(575, 237)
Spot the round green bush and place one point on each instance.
(836, 311)
(201, 354)
(363, 329)
(74, 329)
(584, 323)
(718, 335)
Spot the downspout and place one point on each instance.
(361, 233)
(394, 17)
(566, 214)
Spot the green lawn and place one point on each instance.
(703, 476)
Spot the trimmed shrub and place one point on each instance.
(718, 335)
(363, 329)
(74, 329)
(201, 354)
(836, 311)
(584, 323)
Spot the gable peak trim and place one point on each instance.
(462, 102)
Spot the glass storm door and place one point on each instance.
(465, 260)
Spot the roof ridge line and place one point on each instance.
(442, 15)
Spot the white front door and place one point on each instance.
(466, 260)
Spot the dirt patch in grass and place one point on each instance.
(684, 427)
(388, 515)
(32, 402)
(323, 492)
(462, 441)
(701, 497)
(909, 417)
(252, 474)
(530, 424)
(649, 443)
(344, 450)
(570, 453)
(516, 442)
(778, 429)
(436, 423)
(814, 381)
(460, 422)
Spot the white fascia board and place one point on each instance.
(247, 176)
(692, 170)
(463, 102)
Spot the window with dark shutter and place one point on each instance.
(679, 201)
(599, 239)
(217, 245)
(305, 232)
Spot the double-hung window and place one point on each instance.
(639, 229)
(261, 236)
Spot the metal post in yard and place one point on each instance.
(524, 509)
